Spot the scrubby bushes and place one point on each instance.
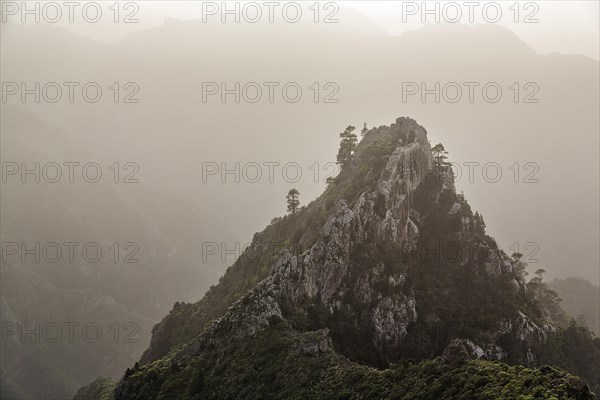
(274, 364)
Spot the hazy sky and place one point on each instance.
(567, 27)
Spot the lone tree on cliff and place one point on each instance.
(439, 155)
(292, 201)
(347, 146)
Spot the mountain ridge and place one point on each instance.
(338, 275)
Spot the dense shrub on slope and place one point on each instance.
(100, 389)
(279, 363)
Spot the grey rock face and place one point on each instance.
(317, 343)
(455, 352)
(344, 272)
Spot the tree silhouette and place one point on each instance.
(439, 155)
(292, 201)
(364, 130)
(347, 146)
(540, 273)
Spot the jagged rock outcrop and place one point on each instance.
(389, 262)
(354, 268)
(455, 353)
(350, 269)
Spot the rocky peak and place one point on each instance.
(369, 256)
(363, 272)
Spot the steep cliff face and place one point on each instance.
(374, 249)
(390, 262)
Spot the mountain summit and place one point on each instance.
(387, 267)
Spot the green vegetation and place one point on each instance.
(347, 146)
(292, 201)
(544, 303)
(100, 389)
(279, 363)
(440, 155)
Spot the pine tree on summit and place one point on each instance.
(439, 155)
(292, 201)
(347, 146)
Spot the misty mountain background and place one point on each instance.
(171, 132)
